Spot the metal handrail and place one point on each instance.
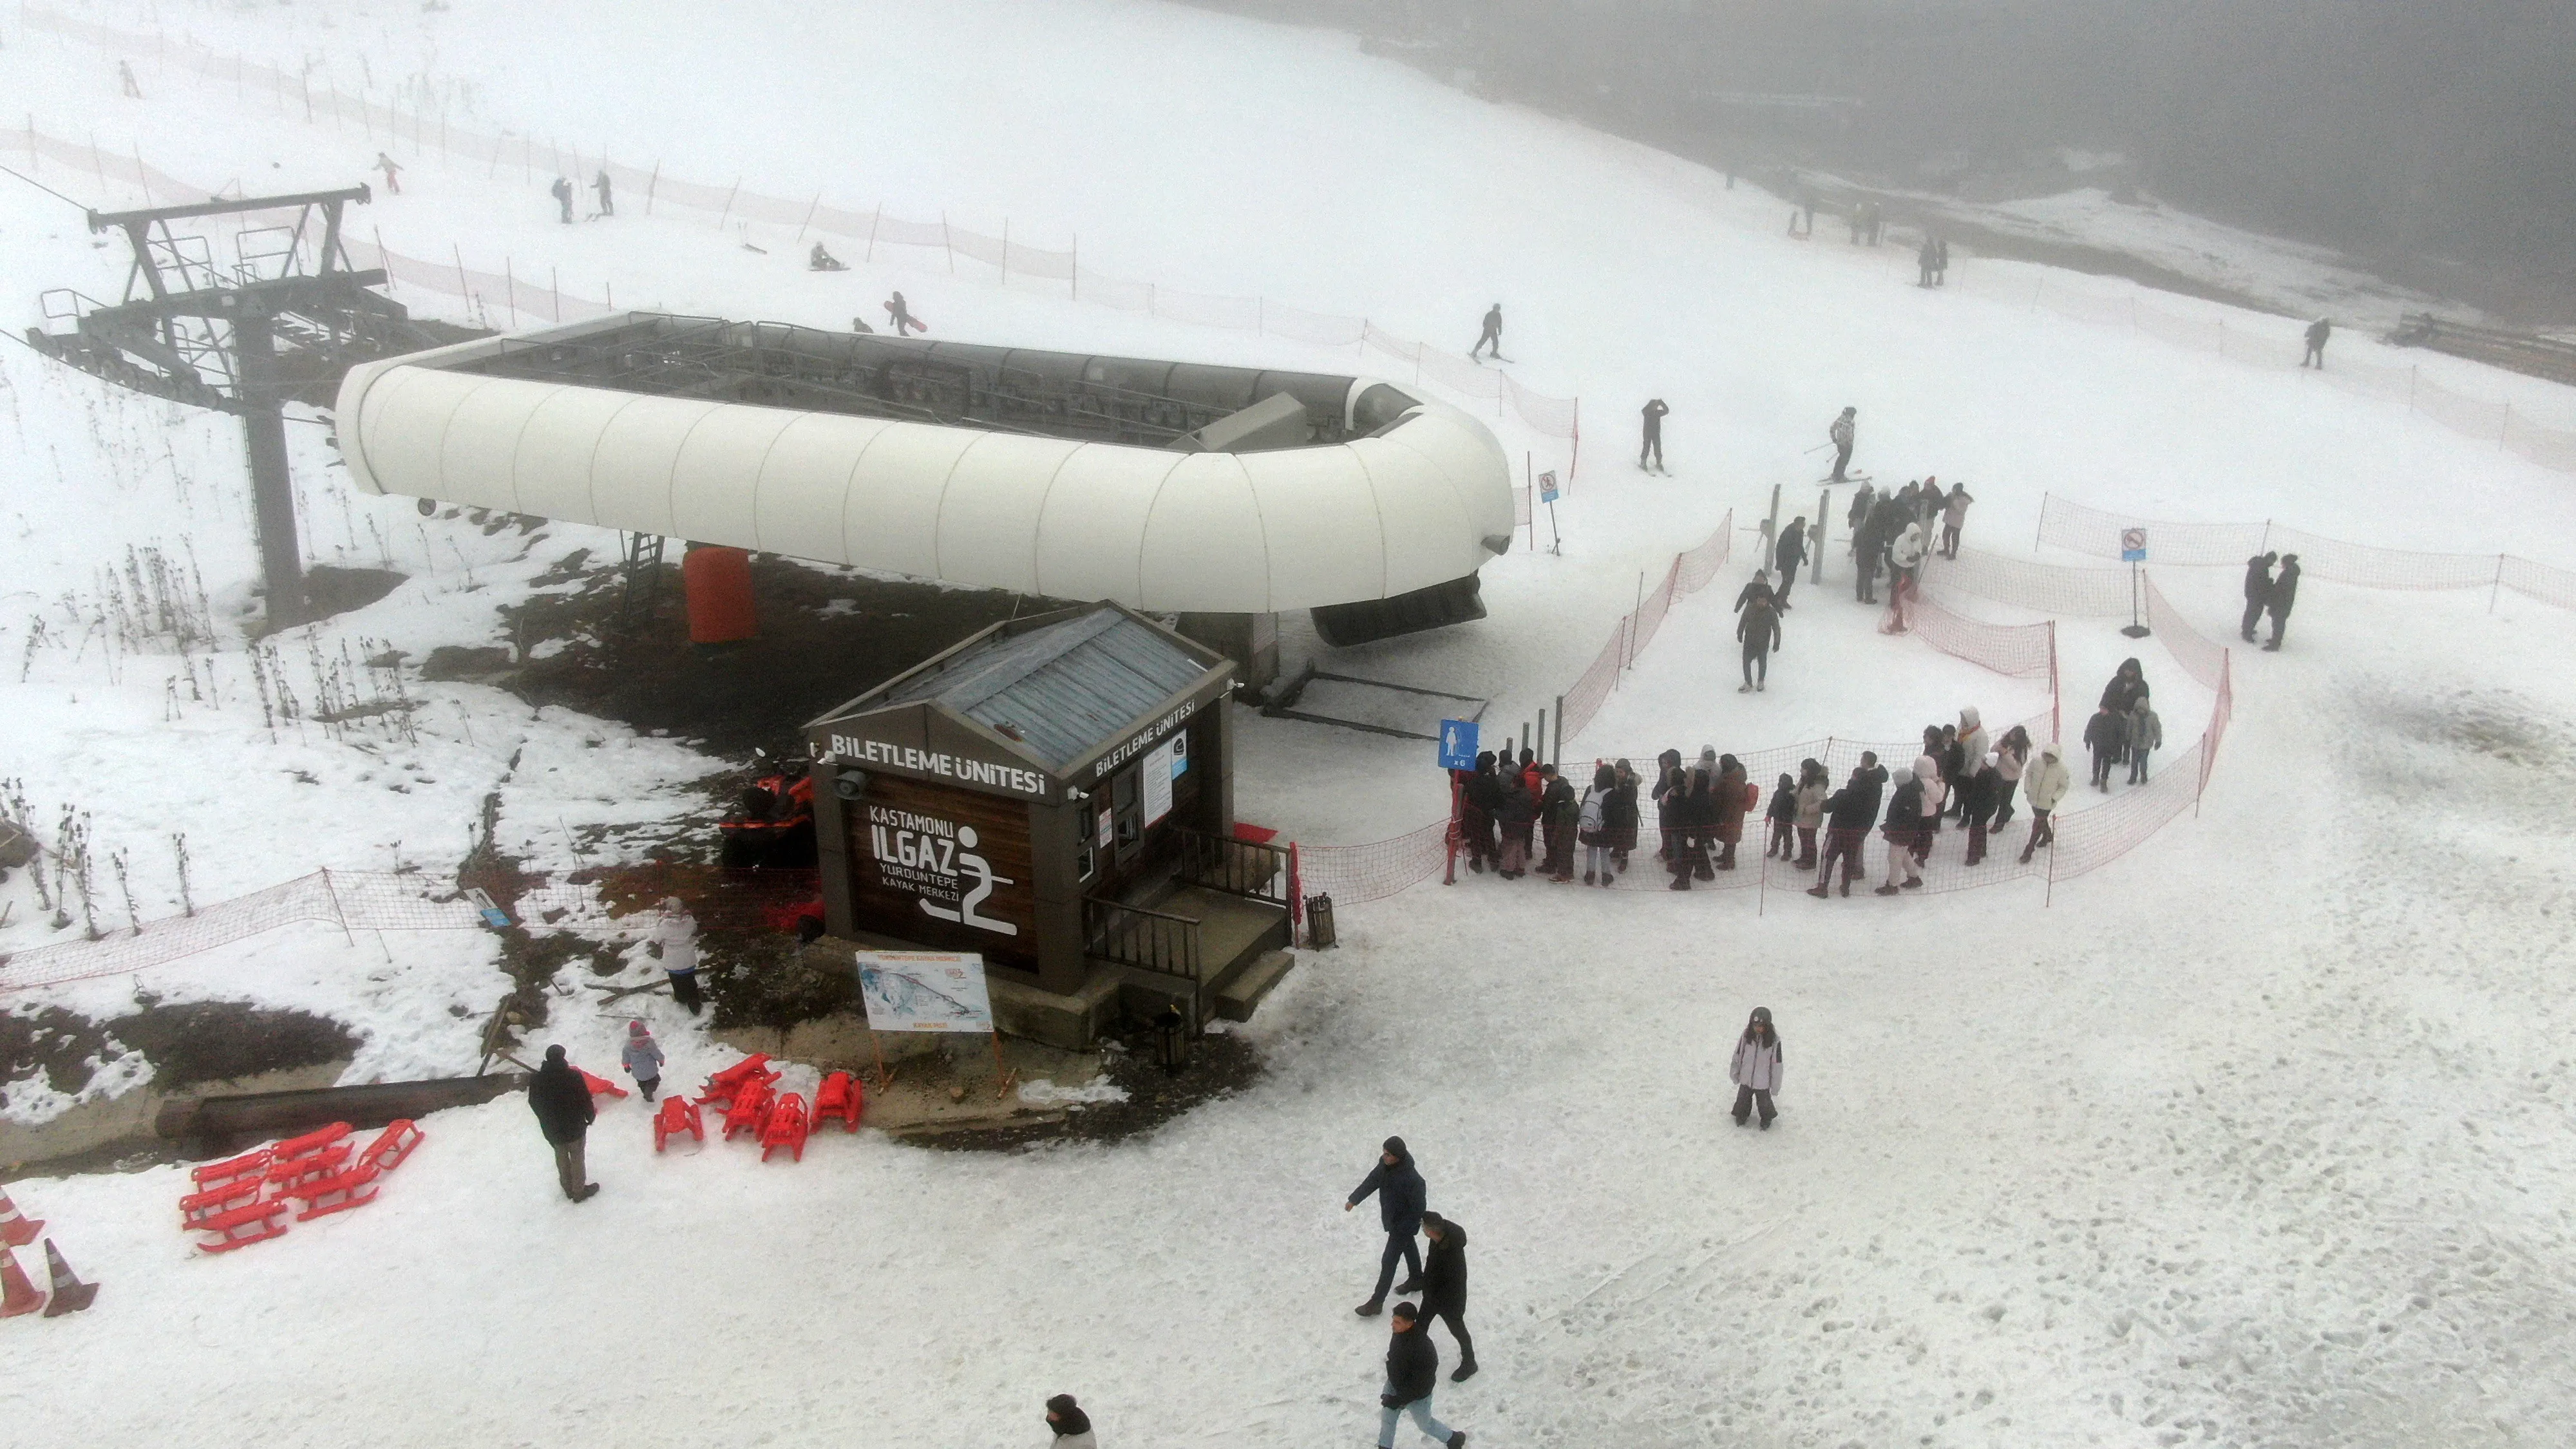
(1234, 866)
(1148, 940)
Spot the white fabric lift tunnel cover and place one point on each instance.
(1369, 518)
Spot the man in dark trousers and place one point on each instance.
(1841, 434)
(1444, 1288)
(899, 314)
(1788, 556)
(1400, 1196)
(561, 1100)
(1654, 414)
(1759, 632)
(562, 193)
(1848, 817)
(607, 202)
(1412, 1372)
(2285, 592)
(2318, 332)
(1492, 335)
(2258, 592)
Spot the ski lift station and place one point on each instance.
(1222, 495)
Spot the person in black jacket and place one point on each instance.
(2106, 734)
(1478, 798)
(1903, 828)
(1412, 1372)
(1444, 1288)
(2128, 685)
(2258, 592)
(2285, 592)
(561, 1100)
(1983, 788)
(1788, 556)
(1848, 816)
(1400, 1194)
(1759, 632)
(1653, 413)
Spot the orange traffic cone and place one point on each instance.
(71, 1295)
(17, 1295)
(16, 1229)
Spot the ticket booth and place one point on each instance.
(1056, 793)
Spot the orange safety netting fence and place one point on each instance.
(392, 128)
(2079, 529)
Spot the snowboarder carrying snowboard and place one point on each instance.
(900, 317)
(1492, 336)
(1653, 413)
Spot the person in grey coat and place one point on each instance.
(1756, 1069)
(1400, 1199)
(2146, 736)
(642, 1058)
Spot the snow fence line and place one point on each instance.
(2254, 339)
(2078, 529)
(529, 302)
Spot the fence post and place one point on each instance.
(652, 184)
(809, 216)
(948, 242)
(1575, 462)
(384, 260)
(510, 288)
(2040, 532)
(337, 913)
(1556, 756)
(554, 284)
(2496, 587)
(2055, 724)
(1634, 617)
(2266, 545)
(463, 290)
(728, 206)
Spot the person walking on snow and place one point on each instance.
(1653, 413)
(1756, 1069)
(561, 191)
(2318, 332)
(1849, 814)
(1813, 786)
(1954, 516)
(900, 317)
(393, 173)
(1759, 632)
(1400, 1195)
(674, 943)
(1840, 432)
(1904, 557)
(1444, 1288)
(642, 1058)
(1491, 338)
(1788, 556)
(2012, 757)
(2285, 592)
(1903, 826)
(2258, 592)
(2106, 734)
(561, 1100)
(1071, 1426)
(2146, 736)
(1412, 1372)
(1756, 587)
(599, 183)
(2044, 784)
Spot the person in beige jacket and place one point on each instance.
(2043, 785)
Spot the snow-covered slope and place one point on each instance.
(2256, 1137)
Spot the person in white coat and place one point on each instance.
(2043, 785)
(1756, 1070)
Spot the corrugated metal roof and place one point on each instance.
(1063, 690)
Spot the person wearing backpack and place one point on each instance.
(1591, 825)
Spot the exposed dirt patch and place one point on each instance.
(825, 634)
(330, 589)
(188, 1045)
(1220, 1066)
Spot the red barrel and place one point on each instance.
(717, 581)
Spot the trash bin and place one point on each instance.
(1319, 922)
